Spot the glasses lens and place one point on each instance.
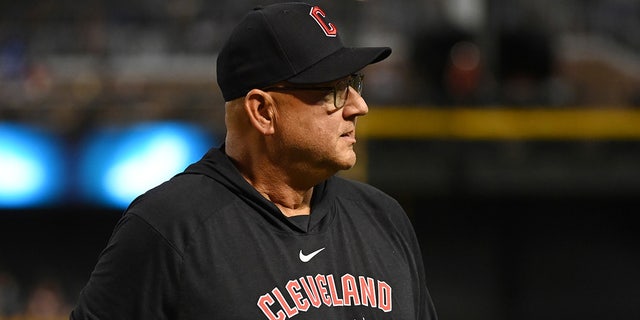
(356, 82)
(341, 90)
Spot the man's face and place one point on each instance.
(311, 133)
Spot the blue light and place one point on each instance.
(31, 166)
(121, 163)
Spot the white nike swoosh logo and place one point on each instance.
(308, 257)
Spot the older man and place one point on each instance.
(260, 228)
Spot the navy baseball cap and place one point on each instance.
(294, 42)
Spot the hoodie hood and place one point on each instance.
(218, 166)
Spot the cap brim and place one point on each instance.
(340, 64)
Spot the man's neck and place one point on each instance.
(288, 187)
(290, 201)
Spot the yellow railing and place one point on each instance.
(500, 123)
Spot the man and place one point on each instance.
(260, 228)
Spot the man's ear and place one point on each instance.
(259, 106)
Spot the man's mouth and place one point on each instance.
(351, 135)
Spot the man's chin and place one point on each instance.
(348, 163)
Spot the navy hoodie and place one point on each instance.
(207, 245)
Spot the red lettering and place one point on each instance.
(350, 290)
(319, 290)
(310, 288)
(264, 302)
(334, 293)
(290, 311)
(324, 295)
(384, 296)
(317, 14)
(367, 291)
(301, 303)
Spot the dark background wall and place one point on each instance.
(508, 251)
(549, 236)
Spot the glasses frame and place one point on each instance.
(354, 81)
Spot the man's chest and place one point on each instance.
(342, 273)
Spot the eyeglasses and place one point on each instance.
(340, 89)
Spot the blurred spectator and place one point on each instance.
(46, 301)
(463, 73)
(432, 58)
(9, 295)
(526, 61)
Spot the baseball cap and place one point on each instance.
(294, 42)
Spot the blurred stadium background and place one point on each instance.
(508, 129)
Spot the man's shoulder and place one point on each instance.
(369, 203)
(183, 201)
(358, 189)
(184, 191)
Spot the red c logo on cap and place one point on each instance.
(317, 14)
